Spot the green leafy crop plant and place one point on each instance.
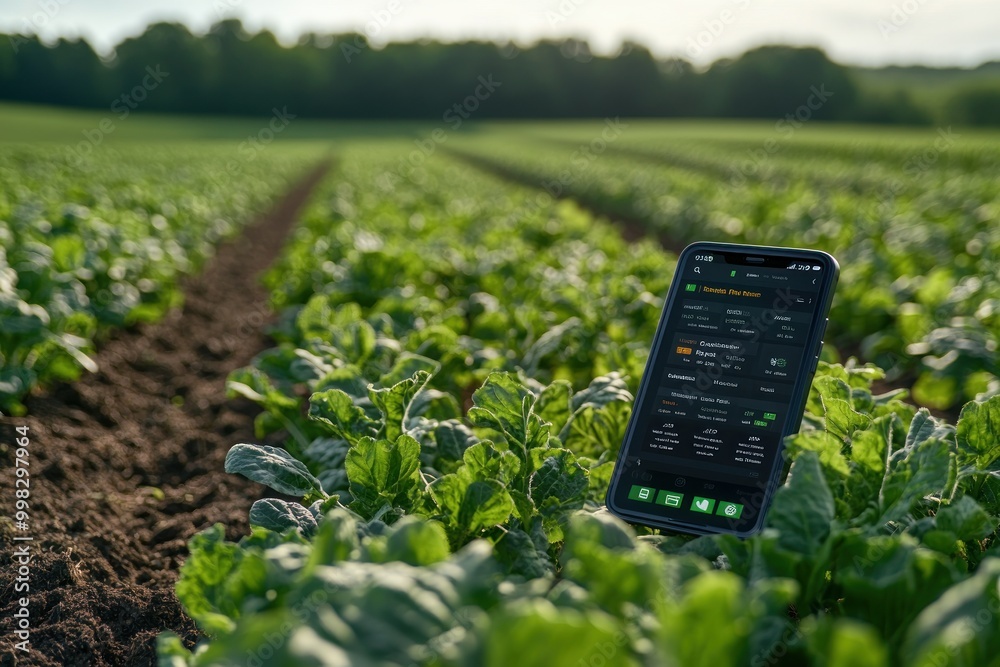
(440, 457)
(102, 242)
(911, 217)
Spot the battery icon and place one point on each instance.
(732, 274)
(691, 287)
(817, 268)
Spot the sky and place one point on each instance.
(863, 32)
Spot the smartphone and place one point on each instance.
(726, 381)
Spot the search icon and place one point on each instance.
(697, 269)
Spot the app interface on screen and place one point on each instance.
(710, 424)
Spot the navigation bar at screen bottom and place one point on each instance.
(672, 499)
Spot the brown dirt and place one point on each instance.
(106, 548)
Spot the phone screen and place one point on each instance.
(725, 383)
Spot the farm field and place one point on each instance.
(423, 362)
(910, 216)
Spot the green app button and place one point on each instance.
(669, 499)
(703, 505)
(730, 510)
(641, 493)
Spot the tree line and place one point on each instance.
(229, 70)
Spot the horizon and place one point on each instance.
(699, 66)
(907, 33)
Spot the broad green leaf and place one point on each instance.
(252, 384)
(558, 636)
(273, 467)
(966, 519)
(470, 505)
(503, 403)
(385, 613)
(348, 379)
(861, 487)
(406, 366)
(524, 509)
(554, 404)
(336, 539)
(829, 387)
(600, 528)
(845, 643)
(453, 439)
(868, 453)
(550, 341)
(485, 504)
(418, 542)
(337, 411)
(960, 627)
(979, 436)
(356, 341)
(691, 633)
(500, 402)
(484, 461)
(803, 509)
(170, 651)
(598, 481)
(383, 473)
(524, 555)
(279, 515)
(887, 580)
(602, 410)
(927, 470)
(828, 447)
(394, 403)
(597, 431)
(559, 482)
(770, 635)
(215, 578)
(435, 406)
(842, 420)
(601, 391)
(924, 426)
(602, 555)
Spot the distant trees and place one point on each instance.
(773, 81)
(976, 105)
(231, 71)
(68, 72)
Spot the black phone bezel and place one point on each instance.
(800, 391)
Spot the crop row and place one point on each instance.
(100, 244)
(914, 230)
(443, 407)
